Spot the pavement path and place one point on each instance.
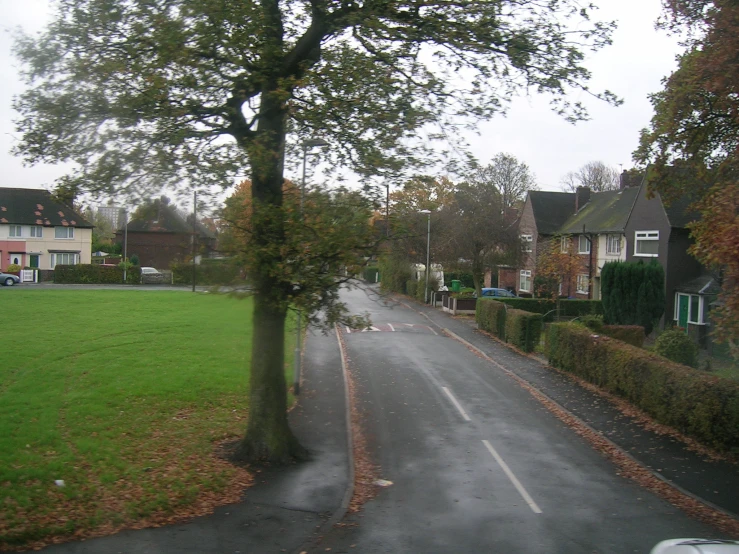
(477, 464)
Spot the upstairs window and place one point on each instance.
(37, 231)
(15, 231)
(584, 245)
(613, 245)
(64, 232)
(564, 245)
(526, 242)
(646, 244)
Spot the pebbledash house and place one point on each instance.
(40, 232)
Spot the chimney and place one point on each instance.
(582, 197)
(623, 180)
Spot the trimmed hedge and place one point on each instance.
(218, 273)
(411, 288)
(88, 274)
(630, 334)
(491, 317)
(676, 345)
(574, 308)
(519, 327)
(534, 305)
(692, 402)
(523, 329)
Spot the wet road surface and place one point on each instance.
(477, 464)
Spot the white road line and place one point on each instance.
(432, 330)
(391, 327)
(516, 483)
(456, 404)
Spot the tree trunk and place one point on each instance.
(268, 437)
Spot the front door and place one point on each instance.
(682, 310)
(33, 261)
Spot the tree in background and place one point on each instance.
(150, 94)
(692, 143)
(595, 175)
(510, 177)
(633, 293)
(556, 268)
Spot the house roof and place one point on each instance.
(160, 217)
(705, 284)
(551, 209)
(37, 207)
(606, 212)
(679, 212)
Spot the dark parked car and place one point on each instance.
(9, 279)
(151, 275)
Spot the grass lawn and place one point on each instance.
(125, 396)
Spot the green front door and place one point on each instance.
(682, 310)
(33, 261)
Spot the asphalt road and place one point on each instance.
(477, 464)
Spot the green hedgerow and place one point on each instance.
(675, 345)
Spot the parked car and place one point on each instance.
(8, 279)
(696, 546)
(151, 275)
(502, 293)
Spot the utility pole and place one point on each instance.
(125, 246)
(194, 230)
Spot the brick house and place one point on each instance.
(159, 235)
(542, 215)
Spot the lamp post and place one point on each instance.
(428, 255)
(125, 244)
(310, 143)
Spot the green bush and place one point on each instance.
(534, 305)
(12, 268)
(575, 308)
(82, 274)
(411, 288)
(694, 403)
(523, 329)
(491, 317)
(630, 334)
(462, 276)
(370, 274)
(676, 345)
(396, 272)
(633, 293)
(223, 272)
(592, 322)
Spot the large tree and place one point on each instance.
(510, 177)
(595, 175)
(152, 93)
(692, 143)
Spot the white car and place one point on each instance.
(696, 546)
(151, 275)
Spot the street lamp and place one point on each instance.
(428, 255)
(310, 143)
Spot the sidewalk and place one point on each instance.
(287, 506)
(714, 482)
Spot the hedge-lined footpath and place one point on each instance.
(694, 403)
(520, 328)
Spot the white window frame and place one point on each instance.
(55, 258)
(69, 232)
(15, 231)
(524, 277)
(528, 241)
(564, 245)
(645, 236)
(613, 245)
(579, 244)
(37, 231)
(583, 278)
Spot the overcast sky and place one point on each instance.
(632, 67)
